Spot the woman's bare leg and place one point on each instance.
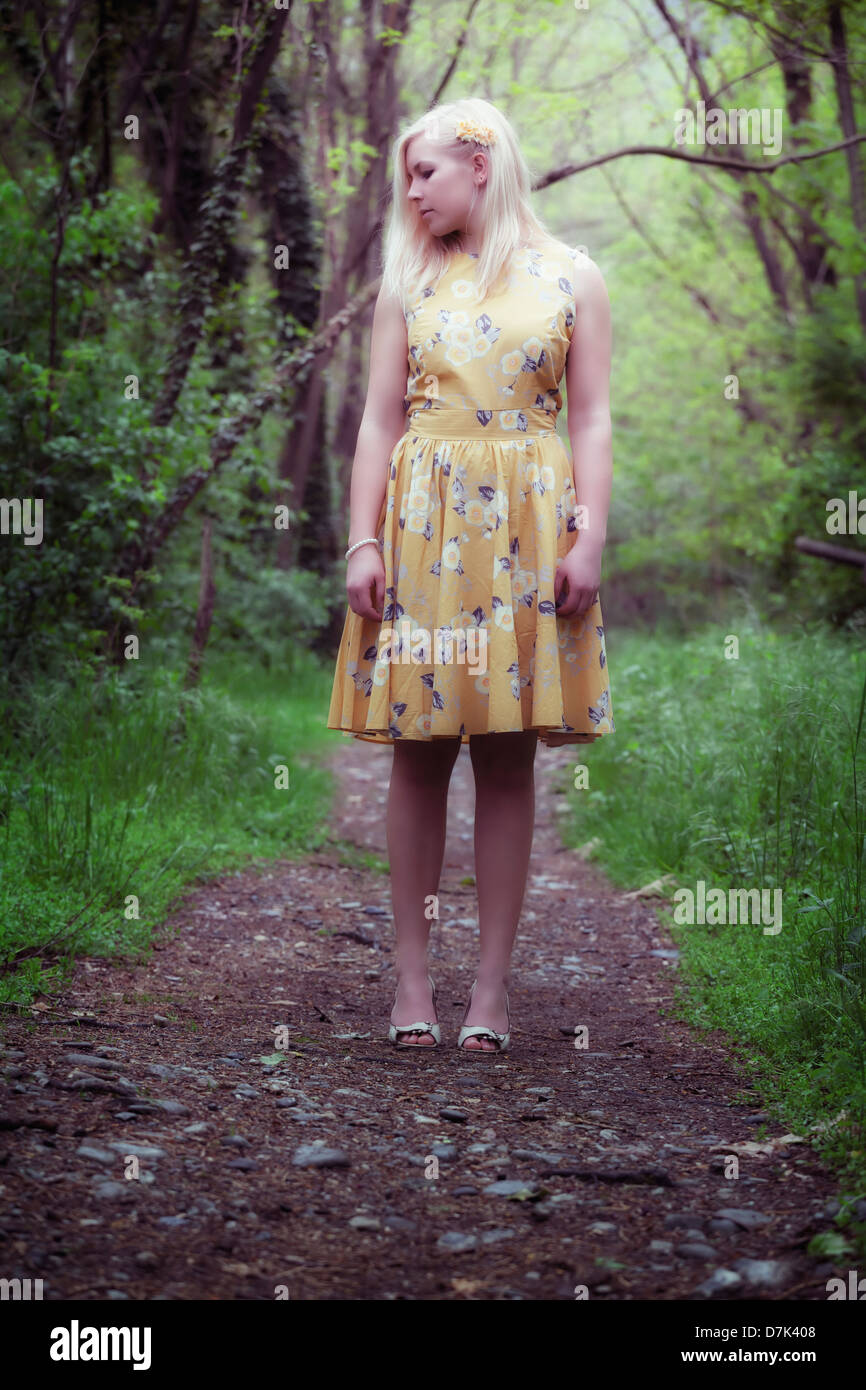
(416, 827)
(504, 768)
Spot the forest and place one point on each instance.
(194, 197)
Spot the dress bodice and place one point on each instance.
(499, 357)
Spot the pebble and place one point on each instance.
(539, 1156)
(456, 1242)
(683, 1218)
(110, 1190)
(766, 1274)
(95, 1154)
(721, 1227)
(695, 1250)
(744, 1217)
(450, 1112)
(313, 1156)
(123, 1147)
(721, 1281)
(89, 1060)
(236, 1141)
(365, 1223)
(246, 1165)
(507, 1187)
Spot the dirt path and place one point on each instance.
(316, 1174)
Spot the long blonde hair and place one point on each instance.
(412, 257)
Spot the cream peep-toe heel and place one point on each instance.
(478, 1030)
(422, 1027)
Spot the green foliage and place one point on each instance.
(114, 795)
(750, 773)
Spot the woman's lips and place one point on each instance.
(426, 210)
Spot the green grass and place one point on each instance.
(110, 805)
(749, 773)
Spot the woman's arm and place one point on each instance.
(383, 420)
(587, 381)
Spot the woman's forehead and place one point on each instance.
(420, 151)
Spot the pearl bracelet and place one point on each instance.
(374, 540)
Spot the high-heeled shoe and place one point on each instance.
(422, 1027)
(479, 1030)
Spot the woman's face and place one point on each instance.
(441, 186)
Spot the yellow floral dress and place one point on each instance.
(480, 504)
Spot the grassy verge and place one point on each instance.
(110, 805)
(748, 773)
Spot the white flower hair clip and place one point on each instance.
(473, 130)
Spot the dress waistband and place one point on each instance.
(458, 422)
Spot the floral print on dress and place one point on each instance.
(479, 507)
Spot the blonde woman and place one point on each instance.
(475, 545)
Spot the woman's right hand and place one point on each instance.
(365, 582)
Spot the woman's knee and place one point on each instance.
(508, 759)
(427, 761)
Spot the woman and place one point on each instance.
(472, 572)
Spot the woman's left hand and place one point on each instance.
(580, 572)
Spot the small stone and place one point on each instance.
(235, 1141)
(365, 1223)
(766, 1274)
(313, 1156)
(456, 1242)
(161, 1021)
(246, 1165)
(450, 1112)
(92, 1062)
(146, 1259)
(171, 1107)
(695, 1250)
(720, 1282)
(490, 1237)
(173, 1221)
(110, 1190)
(465, 1191)
(683, 1218)
(509, 1187)
(149, 1151)
(744, 1217)
(720, 1227)
(95, 1154)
